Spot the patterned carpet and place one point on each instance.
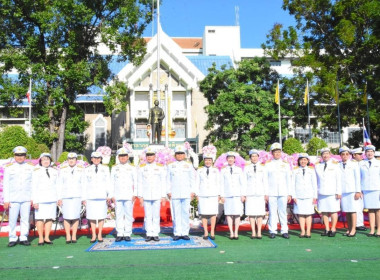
(109, 244)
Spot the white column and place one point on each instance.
(189, 121)
(133, 114)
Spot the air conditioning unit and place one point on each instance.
(142, 114)
(179, 114)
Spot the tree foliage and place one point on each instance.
(314, 145)
(336, 45)
(241, 113)
(57, 44)
(292, 146)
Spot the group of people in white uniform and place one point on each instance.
(333, 186)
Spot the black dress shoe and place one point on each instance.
(12, 243)
(301, 236)
(41, 243)
(48, 242)
(236, 237)
(346, 234)
(253, 237)
(68, 241)
(308, 236)
(148, 238)
(25, 243)
(100, 240)
(73, 241)
(92, 241)
(325, 233)
(259, 237)
(331, 233)
(285, 235)
(119, 238)
(185, 237)
(272, 235)
(176, 238)
(212, 237)
(351, 235)
(205, 237)
(156, 238)
(127, 238)
(361, 228)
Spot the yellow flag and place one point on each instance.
(336, 97)
(365, 97)
(277, 95)
(306, 97)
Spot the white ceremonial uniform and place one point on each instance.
(304, 189)
(151, 186)
(44, 192)
(97, 189)
(279, 188)
(233, 184)
(350, 185)
(329, 185)
(370, 183)
(208, 188)
(17, 190)
(124, 183)
(256, 188)
(71, 182)
(181, 183)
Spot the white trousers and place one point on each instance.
(24, 209)
(124, 217)
(152, 217)
(359, 213)
(181, 220)
(277, 206)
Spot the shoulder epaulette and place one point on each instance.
(353, 160)
(142, 165)
(63, 167)
(9, 164)
(170, 162)
(295, 167)
(202, 167)
(262, 164)
(131, 164)
(335, 162)
(80, 166)
(223, 167)
(318, 162)
(30, 163)
(247, 163)
(159, 164)
(37, 168)
(311, 167)
(284, 161)
(269, 160)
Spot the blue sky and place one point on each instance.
(187, 18)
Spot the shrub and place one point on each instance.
(292, 146)
(314, 145)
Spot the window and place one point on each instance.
(211, 31)
(141, 130)
(100, 126)
(275, 63)
(302, 134)
(180, 129)
(330, 137)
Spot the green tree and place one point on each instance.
(336, 45)
(314, 145)
(241, 113)
(292, 146)
(57, 44)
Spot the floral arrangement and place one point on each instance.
(104, 150)
(163, 156)
(222, 161)
(128, 147)
(209, 150)
(80, 163)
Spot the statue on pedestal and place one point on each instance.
(156, 115)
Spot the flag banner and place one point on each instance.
(306, 96)
(277, 95)
(365, 97)
(366, 140)
(29, 92)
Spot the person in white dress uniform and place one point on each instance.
(233, 184)
(304, 193)
(124, 184)
(44, 197)
(97, 193)
(357, 155)
(70, 195)
(17, 192)
(208, 190)
(329, 191)
(151, 190)
(370, 185)
(351, 191)
(180, 189)
(279, 189)
(255, 192)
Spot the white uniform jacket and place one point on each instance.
(181, 179)
(279, 181)
(71, 182)
(208, 185)
(233, 184)
(17, 183)
(256, 182)
(97, 185)
(370, 176)
(350, 177)
(151, 181)
(44, 189)
(329, 180)
(304, 186)
(124, 181)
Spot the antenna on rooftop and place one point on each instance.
(237, 15)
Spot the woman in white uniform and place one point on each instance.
(97, 193)
(44, 197)
(304, 193)
(256, 192)
(71, 181)
(233, 184)
(208, 190)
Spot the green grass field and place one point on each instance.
(316, 258)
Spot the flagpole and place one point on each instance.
(308, 107)
(279, 112)
(363, 133)
(30, 107)
(337, 100)
(369, 126)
